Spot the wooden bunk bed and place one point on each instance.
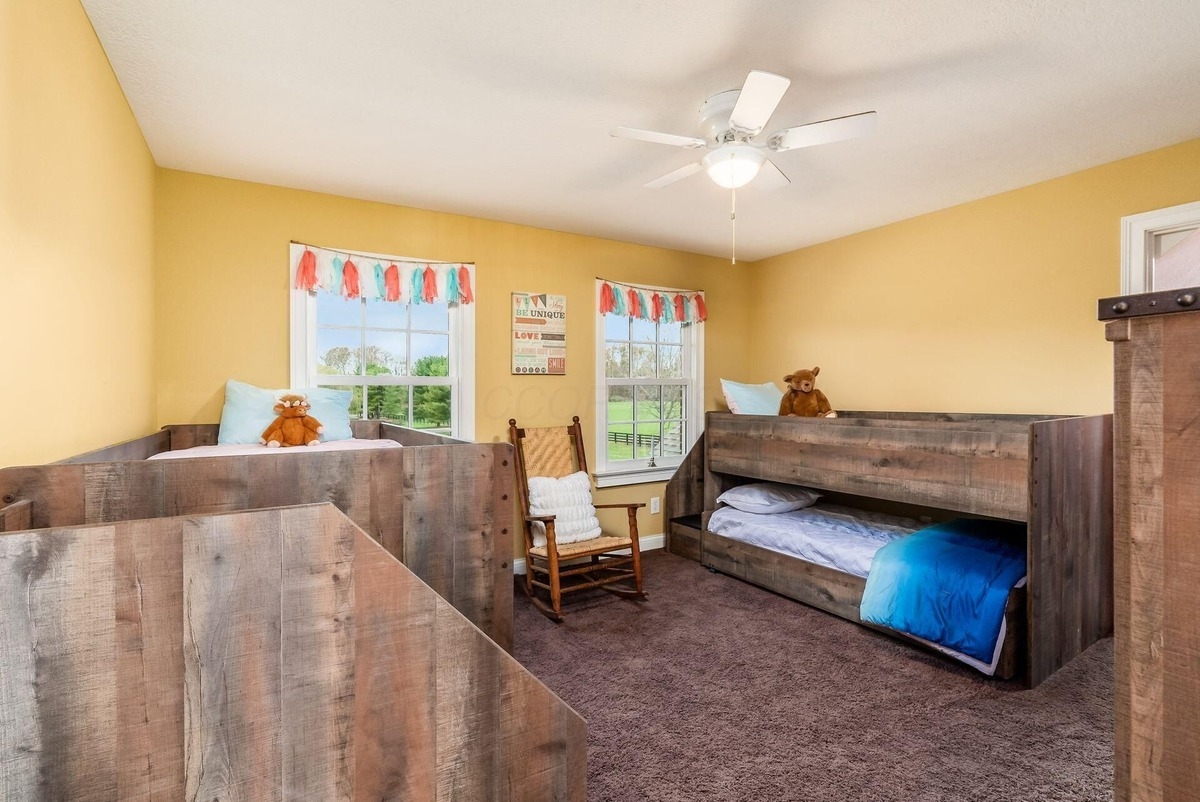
(1054, 474)
(443, 507)
(266, 655)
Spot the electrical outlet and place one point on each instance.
(655, 505)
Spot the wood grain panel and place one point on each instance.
(57, 701)
(17, 516)
(1070, 563)
(192, 435)
(148, 602)
(685, 496)
(231, 647)
(275, 654)
(136, 449)
(317, 654)
(1181, 557)
(395, 681)
(1138, 499)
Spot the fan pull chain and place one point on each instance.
(733, 226)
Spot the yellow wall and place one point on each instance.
(76, 232)
(985, 307)
(223, 279)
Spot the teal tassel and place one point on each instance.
(338, 264)
(380, 284)
(416, 285)
(668, 310)
(644, 306)
(452, 292)
(324, 274)
(619, 306)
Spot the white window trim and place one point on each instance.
(666, 467)
(1137, 236)
(303, 350)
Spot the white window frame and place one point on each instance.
(303, 351)
(607, 475)
(1137, 242)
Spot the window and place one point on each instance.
(1160, 250)
(649, 399)
(405, 363)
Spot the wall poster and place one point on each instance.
(539, 341)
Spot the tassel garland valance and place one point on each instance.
(661, 306)
(353, 275)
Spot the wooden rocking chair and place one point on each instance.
(555, 452)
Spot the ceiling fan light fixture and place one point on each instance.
(732, 166)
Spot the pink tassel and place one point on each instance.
(656, 305)
(635, 308)
(701, 308)
(391, 283)
(429, 286)
(464, 286)
(607, 302)
(350, 280)
(306, 273)
(680, 309)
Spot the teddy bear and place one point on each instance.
(294, 426)
(802, 398)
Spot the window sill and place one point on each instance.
(634, 476)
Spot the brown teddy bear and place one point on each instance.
(294, 426)
(803, 399)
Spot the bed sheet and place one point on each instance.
(836, 537)
(246, 450)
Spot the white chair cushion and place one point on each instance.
(569, 499)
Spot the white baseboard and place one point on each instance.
(646, 542)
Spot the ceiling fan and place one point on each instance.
(729, 122)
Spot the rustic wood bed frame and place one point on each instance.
(265, 655)
(441, 506)
(1052, 473)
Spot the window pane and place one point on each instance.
(648, 407)
(431, 317)
(620, 441)
(616, 327)
(356, 397)
(388, 403)
(431, 408)
(672, 401)
(339, 351)
(644, 330)
(616, 360)
(431, 354)
(670, 333)
(620, 404)
(643, 366)
(670, 362)
(387, 314)
(647, 440)
(672, 439)
(385, 353)
(334, 310)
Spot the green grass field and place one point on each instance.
(620, 415)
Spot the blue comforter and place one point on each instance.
(948, 583)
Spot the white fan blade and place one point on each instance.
(835, 130)
(769, 178)
(759, 96)
(675, 175)
(659, 138)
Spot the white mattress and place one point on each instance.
(241, 451)
(825, 534)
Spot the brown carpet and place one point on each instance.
(717, 690)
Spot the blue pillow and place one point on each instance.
(249, 410)
(751, 399)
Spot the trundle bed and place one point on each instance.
(440, 506)
(1052, 474)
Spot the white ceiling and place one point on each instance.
(501, 109)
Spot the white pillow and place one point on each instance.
(751, 399)
(769, 497)
(569, 499)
